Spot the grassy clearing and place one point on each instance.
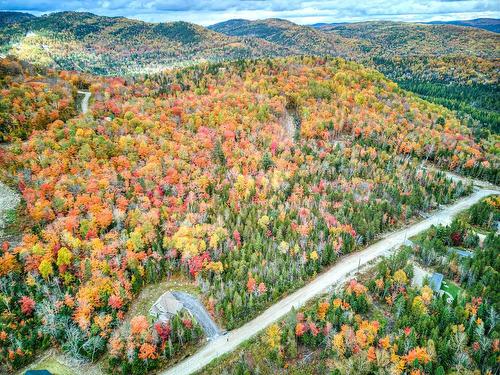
(152, 292)
(450, 288)
(54, 366)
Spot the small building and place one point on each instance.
(461, 253)
(165, 307)
(409, 243)
(436, 281)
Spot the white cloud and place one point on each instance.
(301, 11)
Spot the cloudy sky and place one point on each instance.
(207, 12)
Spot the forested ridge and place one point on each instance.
(382, 321)
(243, 160)
(449, 65)
(197, 173)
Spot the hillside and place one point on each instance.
(301, 39)
(391, 318)
(249, 177)
(490, 24)
(454, 66)
(7, 18)
(391, 38)
(117, 45)
(31, 98)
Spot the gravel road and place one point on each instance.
(337, 273)
(199, 313)
(85, 101)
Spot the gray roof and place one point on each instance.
(165, 307)
(436, 281)
(460, 252)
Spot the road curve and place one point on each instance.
(85, 101)
(200, 313)
(337, 273)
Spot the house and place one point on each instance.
(461, 253)
(165, 307)
(436, 281)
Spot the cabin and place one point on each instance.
(436, 281)
(165, 307)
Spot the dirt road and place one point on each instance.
(85, 101)
(337, 273)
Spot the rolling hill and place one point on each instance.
(117, 45)
(490, 24)
(390, 38)
(7, 18)
(451, 65)
(249, 177)
(301, 39)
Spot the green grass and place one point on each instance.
(54, 366)
(151, 293)
(451, 288)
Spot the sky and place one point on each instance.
(207, 12)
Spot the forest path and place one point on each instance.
(339, 272)
(85, 101)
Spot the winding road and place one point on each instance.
(339, 272)
(200, 314)
(85, 100)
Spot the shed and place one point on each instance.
(461, 253)
(436, 281)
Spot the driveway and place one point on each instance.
(337, 273)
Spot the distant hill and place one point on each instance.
(410, 39)
(7, 18)
(118, 45)
(451, 65)
(490, 24)
(323, 24)
(300, 39)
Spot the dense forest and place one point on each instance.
(212, 172)
(450, 65)
(245, 159)
(33, 97)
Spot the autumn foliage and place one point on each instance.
(202, 173)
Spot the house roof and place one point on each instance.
(436, 281)
(166, 306)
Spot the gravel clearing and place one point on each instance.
(9, 200)
(419, 274)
